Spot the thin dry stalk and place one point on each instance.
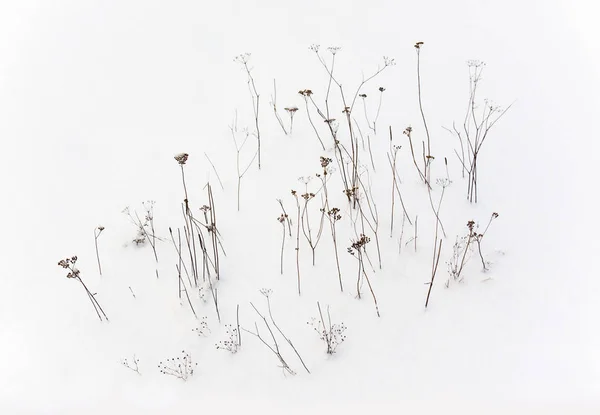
(287, 218)
(240, 171)
(297, 239)
(418, 46)
(274, 105)
(434, 270)
(266, 293)
(243, 59)
(215, 170)
(97, 231)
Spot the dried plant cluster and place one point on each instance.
(232, 342)
(199, 258)
(74, 273)
(332, 334)
(335, 205)
(180, 367)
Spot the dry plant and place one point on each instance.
(475, 128)
(282, 219)
(373, 125)
(313, 240)
(202, 330)
(415, 234)
(132, 365)
(287, 218)
(349, 177)
(357, 250)
(463, 246)
(145, 229)
(232, 341)
(196, 242)
(392, 159)
(427, 157)
(70, 264)
(295, 194)
(291, 111)
(437, 248)
(333, 213)
(274, 345)
(241, 171)
(334, 216)
(215, 170)
(181, 368)
(306, 94)
(373, 222)
(331, 334)
(243, 60)
(97, 231)
(274, 105)
(408, 132)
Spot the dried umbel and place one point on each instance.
(471, 226)
(359, 244)
(305, 92)
(418, 45)
(282, 218)
(334, 214)
(69, 263)
(325, 161)
(181, 158)
(291, 110)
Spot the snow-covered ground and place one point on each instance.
(96, 99)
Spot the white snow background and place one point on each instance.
(96, 97)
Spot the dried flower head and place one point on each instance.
(334, 49)
(325, 161)
(181, 158)
(266, 292)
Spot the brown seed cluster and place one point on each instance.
(69, 263)
(181, 158)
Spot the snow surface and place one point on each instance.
(97, 97)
